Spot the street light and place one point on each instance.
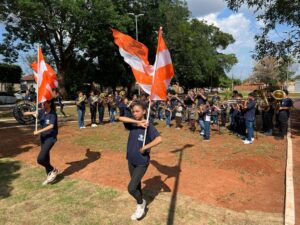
(136, 16)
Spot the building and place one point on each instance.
(249, 86)
(27, 81)
(297, 86)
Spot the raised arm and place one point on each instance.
(141, 123)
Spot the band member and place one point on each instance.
(93, 99)
(284, 114)
(117, 98)
(192, 116)
(160, 109)
(168, 113)
(234, 94)
(188, 102)
(48, 136)
(125, 110)
(223, 112)
(215, 98)
(138, 156)
(240, 120)
(234, 110)
(178, 115)
(214, 113)
(249, 110)
(201, 119)
(102, 101)
(268, 114)
(80, 103)
(201, 97)
(207, 118)
(59, 101)
(112, 107)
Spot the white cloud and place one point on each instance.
(240, 27)
(235, 24)
(204, 7)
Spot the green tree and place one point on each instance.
(10, 73)
(272, 14)
(67, 30)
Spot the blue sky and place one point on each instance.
(242, 25)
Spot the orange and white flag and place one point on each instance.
(45, 77)
(163, 70)
(136, 55)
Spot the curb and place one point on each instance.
(289, 212)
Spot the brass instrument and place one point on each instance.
(262, 101)
(80, 99)
(234, 101)
(94, 99)
(111, 101)
(122, 94)
(102, 98)
(278, 95)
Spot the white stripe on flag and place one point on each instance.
(134, 61)
(164, 59)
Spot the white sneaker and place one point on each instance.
(83, 127)
(51, 177)
(252, 139)
(140, 211)
(94, 125)
(246, 142)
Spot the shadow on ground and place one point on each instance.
(8, 173)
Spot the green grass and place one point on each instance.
(24, 201)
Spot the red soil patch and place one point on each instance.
(215, 173)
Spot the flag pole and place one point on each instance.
(150, 100)
(37, 88)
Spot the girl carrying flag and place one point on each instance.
(138, 156)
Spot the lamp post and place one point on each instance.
(136, 16)
(287, 70)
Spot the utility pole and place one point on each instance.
(136, 16)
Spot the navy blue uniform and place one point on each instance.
(135, 143)
(250, 119)
(138, 162)
(283, 116)
(48, 138)
(45, 120)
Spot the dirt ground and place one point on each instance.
(223, 172)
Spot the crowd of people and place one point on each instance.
(195, 108)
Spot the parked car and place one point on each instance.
(7, 98)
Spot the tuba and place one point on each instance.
(278, 95)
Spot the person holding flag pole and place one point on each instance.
(46, 81)
(143, 135)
